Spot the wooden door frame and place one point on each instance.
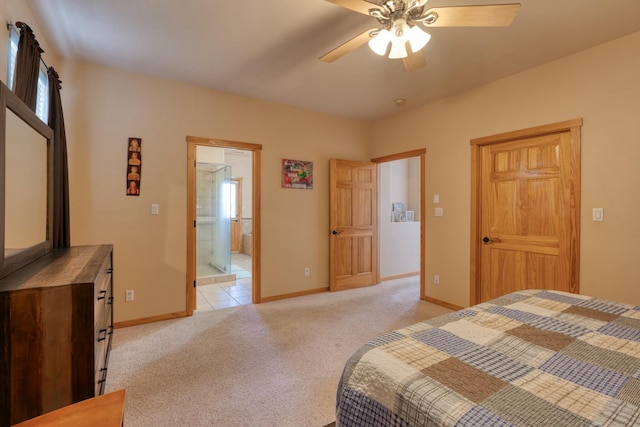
(256, 149)
(571, 126)
(400, 156)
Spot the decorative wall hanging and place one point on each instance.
(134, 166)
(297, 174)
(397, 212)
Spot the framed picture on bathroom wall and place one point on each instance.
(134, 166)
(297, 174)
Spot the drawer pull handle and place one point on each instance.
(102, 295)
(109, 270)
(102, 335)
(110, 300)
(111, 330)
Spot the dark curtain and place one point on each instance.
(25, 80)
(60, 227)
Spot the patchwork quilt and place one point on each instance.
(530, 358)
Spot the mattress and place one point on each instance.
(529, 358)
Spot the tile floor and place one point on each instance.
(226, 294)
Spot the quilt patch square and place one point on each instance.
(445, 341)
(593, 377)
(565, 394)
(414, 353)
(631, 392)
(591, 313)
(525, 409)
(603, 357)
(464, 379)
(546, 339)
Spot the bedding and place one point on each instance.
(529, 358)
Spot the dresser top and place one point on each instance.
(64, 266)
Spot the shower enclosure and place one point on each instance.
(214, 204)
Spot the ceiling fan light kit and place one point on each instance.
(402, 20)
(401, 33)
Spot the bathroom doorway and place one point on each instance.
(223, 209)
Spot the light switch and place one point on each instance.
(439, 212)
(436, 198)
(155, 209)
(598, 214)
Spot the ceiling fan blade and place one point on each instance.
(414, 61)
(360, 6)
(347, 46)
(496, 15)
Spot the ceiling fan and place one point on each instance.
(402, 33)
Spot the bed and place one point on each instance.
(529, 358)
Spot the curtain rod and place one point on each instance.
(12, 27)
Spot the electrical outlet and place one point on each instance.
(306, 272)
(128, 295)
(436, 279)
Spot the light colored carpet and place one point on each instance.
(270, 364)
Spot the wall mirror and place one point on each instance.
(26, 185)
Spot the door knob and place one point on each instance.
(486, 240)
(334, 232)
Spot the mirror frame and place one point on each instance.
(9, 100)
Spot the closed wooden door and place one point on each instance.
(353, 224)
(528, 199)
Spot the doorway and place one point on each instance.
(223, 222)
(413, 222)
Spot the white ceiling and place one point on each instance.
(269, 49)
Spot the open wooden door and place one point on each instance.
(526, 217)
(353, 243)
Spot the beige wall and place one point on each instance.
(103, 107)
(600, 85)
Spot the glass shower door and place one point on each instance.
(213, 222)
(221, 209)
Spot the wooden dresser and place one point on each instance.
(56, 324)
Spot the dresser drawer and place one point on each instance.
(103, 280)
(103, 308)
(102, 357)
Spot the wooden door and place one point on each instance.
(527, 234)
(353, 243)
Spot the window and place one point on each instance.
(42, 101)
(13, 52)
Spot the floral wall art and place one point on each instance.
(297, 174)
